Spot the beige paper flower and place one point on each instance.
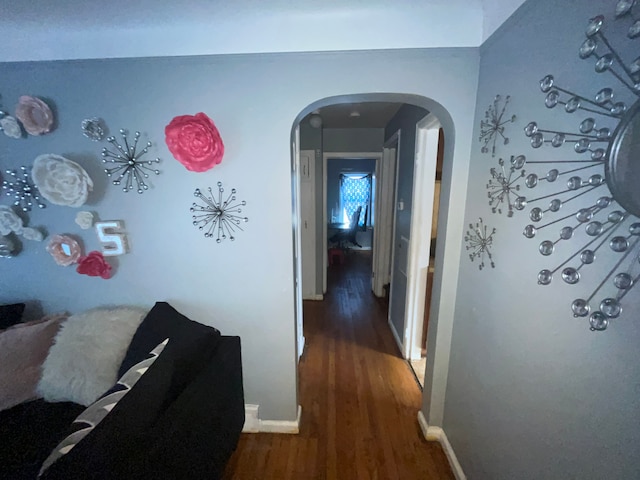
(64, 250)
(35, 115)
(32, 234)
(60, 180)
(9, 221)
(84, 219)
(10, 127)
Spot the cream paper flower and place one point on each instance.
(60, 180)
(9, 221)
(32, 234)
(84, 219)
(10, 126)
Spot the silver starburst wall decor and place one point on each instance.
(502, 186)
(18, 184)
(479, 241)
(493, 126)
(597, 207)
(127, 164)
(219, 215)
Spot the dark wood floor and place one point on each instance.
(359, 398)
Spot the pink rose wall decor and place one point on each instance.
(35, 115)
(194, 141)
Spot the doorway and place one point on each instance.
(443, 283)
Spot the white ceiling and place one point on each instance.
(74, 29)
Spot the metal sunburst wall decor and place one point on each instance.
(605, 161)
(129, 167)
(502, 186)
(219, 215)
(493, 125)
(25, 194)
(479, 241)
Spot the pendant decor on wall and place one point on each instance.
(597, 207)
(24, 192)
(93, 129)
(502, 186)
(478, 241)
(61, 181)
(218, 214)
(127, 164)
(493, 125)
(195, 142)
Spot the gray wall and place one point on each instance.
(352, 139)
(532, 393)
(405, 121)
(241, 287)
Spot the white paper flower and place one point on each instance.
(10, 127)
(9, 221)
(84, 219)
(60, 180)
(32, 234)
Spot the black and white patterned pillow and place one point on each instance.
(97, 411)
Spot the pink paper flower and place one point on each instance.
(35, 115)
(94, 265)
(194, 141)
(64, 250)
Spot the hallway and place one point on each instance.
(359, 398)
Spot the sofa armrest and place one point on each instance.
(200, 430)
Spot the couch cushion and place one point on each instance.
(83, 362)
(118, 446)
(11, 314)
(163, 321)
(97, 411)
(23, 349)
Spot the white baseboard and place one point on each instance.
(315, 296)
(395, 335)
(253, 423)
(437, 434)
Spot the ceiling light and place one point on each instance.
(315, 121)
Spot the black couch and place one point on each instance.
(182, 419)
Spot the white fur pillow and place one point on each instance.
(83, 362)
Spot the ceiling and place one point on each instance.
(358, 115)
(79, 29)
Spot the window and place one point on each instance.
(356, 190)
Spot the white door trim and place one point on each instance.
(427, 134)
(297, 260)
(377, 156)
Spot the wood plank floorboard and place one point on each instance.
(359, 397)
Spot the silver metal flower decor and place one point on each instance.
(220, 215)
(128, 167)
(604, 175)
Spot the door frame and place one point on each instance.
(326, 156)
(426, 155)
(297, 243)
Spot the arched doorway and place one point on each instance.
(444, 285)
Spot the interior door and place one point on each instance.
(308, 223)
(385, 205)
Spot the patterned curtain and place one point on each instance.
(355, 192)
